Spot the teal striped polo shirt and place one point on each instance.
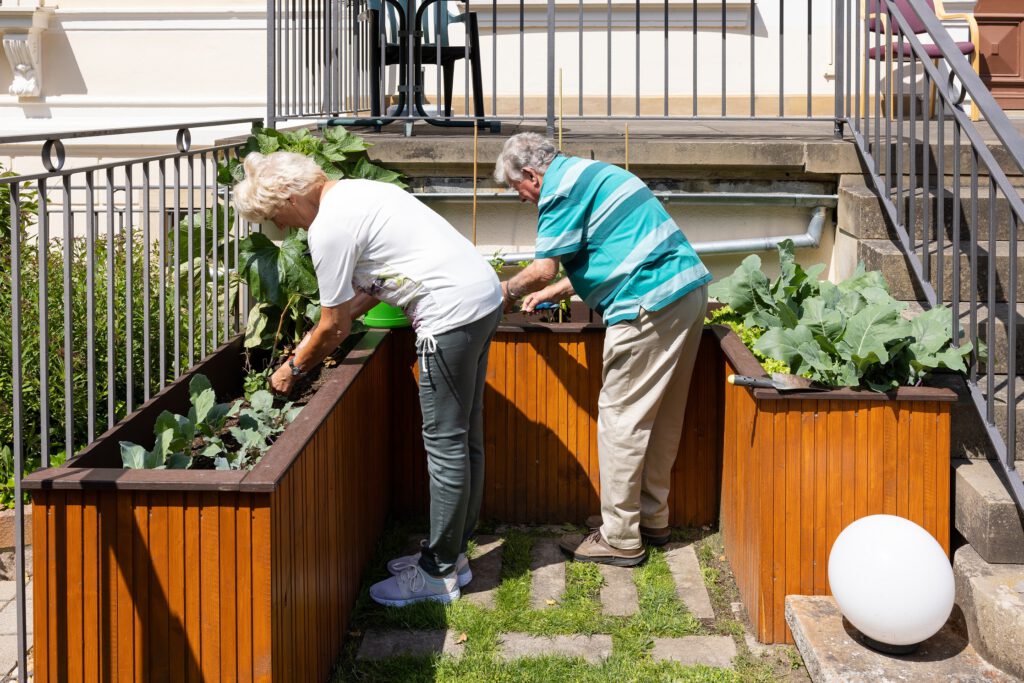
(621, 250)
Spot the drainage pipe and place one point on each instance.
(786, 199)
(811, 238)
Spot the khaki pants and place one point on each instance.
(648, 363)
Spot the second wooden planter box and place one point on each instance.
(799, 468)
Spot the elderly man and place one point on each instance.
(630, 262)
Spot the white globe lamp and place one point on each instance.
(892, 581)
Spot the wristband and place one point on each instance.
(296, 369)
(511, 292)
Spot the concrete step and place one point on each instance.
(834, 652)
(991, 597)
(860, 213)
(886, 256)
(985, 513)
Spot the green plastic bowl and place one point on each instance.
(387, 316)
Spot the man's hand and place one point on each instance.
(548, 295)
(283, 381)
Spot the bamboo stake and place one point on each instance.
(627, 146)
(475, 134)
(559, 109)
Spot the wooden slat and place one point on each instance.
(778, 455)
(821, 500)
(228, 616)
(42, 513)
(73, 571)
(929, 475)
(125, 586)
(193, 595)
(769, 508)
(178, 653)
(942, 486)
(262, 593)
(157, 630)
(209, 585)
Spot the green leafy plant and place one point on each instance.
(748, 335)
(205, 431)
(847, 334)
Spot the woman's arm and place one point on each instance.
(335, 324)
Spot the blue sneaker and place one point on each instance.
(414, 585)
(465, 574)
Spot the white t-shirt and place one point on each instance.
(376, 238)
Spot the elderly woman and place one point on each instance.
(631, 263)
(372, 241)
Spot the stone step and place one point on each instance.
(991, 597)
(715, 651)
(860, 213)
(619, 597)
(682, 562)
(887, 257)
(835, 653)
(547, 573)
(380, 644)
(592, 649)
(486, 566)
(985, 514)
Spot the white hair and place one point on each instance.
(520, 151)
(271, 179)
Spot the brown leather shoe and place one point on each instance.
(651, 536)
(593, 548)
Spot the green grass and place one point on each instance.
(661, 614)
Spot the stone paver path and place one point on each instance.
(547, 570)
(618, 594)
(593, 649)
(379, 644)
(717, 651)
(682, 562)
(486, 568)
(8, 627)
(618, 597)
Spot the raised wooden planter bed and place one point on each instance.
(187, 575)
(540, 422)
(798, 468)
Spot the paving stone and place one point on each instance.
(593, 649)
(547, 569)
(486, 568)
(378, 644)
(7, 618)
(7, 589)
(618, 594)
(834, 651)
(716, 651)
(682, 562)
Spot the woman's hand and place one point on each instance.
(283, 381)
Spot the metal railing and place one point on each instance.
(619, 59)
(119, 277)
(944, 187)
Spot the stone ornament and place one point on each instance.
(22, 28)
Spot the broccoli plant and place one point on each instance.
(257, 427)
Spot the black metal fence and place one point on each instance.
(117, 277)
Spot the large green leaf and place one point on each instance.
(867, 334)
(275, 273)
(344, 141)
(261, 326)
(931, 330)
(823, 321)
(364, 168)
(784, 344)
(746, 289)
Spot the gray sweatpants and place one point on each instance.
(452, 379)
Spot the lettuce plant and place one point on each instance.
(848, 334)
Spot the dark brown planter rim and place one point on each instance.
(744, 362)
(262, 479)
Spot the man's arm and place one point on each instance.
(553, 293)
(535, 276)
(335, 324)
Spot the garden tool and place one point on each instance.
(779, 381)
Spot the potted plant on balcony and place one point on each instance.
(799, 467)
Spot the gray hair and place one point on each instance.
(520, 151)
(271, 179)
